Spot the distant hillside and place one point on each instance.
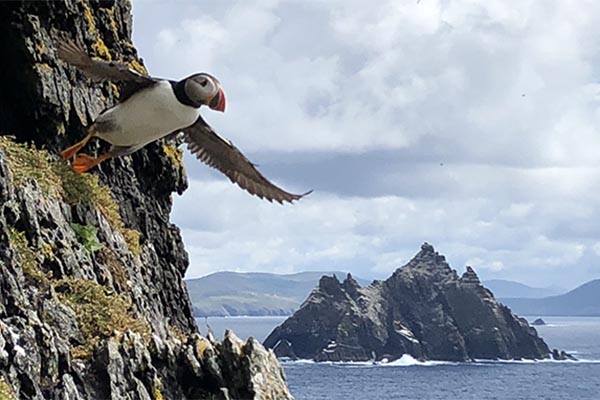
(503, 288)
(234, 293)
(581, 301)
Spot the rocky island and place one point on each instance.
(424, 309)
(92, 299)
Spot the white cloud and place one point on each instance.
(496, 105)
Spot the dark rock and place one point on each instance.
(562, 356)
(424, 309)
(283, 349)
(114, 323)
(538, 322)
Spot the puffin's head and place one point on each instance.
(205, 89)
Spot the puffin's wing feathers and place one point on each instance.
(217, 153)
(97, 69)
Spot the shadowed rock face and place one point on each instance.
(92, 301)
(424, 309)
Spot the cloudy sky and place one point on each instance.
(473, 125)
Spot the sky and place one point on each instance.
(472, 125)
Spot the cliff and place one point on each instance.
(424, 309)
(92, 299)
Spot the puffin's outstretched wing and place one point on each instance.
(211, 149)
(100, 70)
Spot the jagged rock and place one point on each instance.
(562, 356)
(112, 320)
(424, 309)
(538, 322)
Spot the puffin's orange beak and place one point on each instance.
(218, 102)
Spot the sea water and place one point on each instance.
(408, 379)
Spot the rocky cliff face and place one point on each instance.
(92, 301)
(424, 309)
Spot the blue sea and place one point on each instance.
(408, 379)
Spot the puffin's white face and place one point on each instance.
(205, 89)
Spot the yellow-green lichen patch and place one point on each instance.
(202, 345)
(101, 49)
(114, 89)
(27, 256)
(136, 66)
(111, 21)
(99, 310)
(157, 390)
(27, 163)
(89, 16)
(6, 392)
(98, 46)
(174, 154)
(40, 47)
(43, 67)
(177, 333)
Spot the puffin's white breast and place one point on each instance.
(148, 115)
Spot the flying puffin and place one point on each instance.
(151, 108)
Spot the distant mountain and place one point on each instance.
(503, 288)
(581, 301)
(253, 293)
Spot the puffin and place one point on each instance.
(151, 108)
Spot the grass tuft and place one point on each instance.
(28, 259)
(26, 162)
(57, 179)
(99, 311)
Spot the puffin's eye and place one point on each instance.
(203, 82)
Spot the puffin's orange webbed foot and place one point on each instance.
(84, 163)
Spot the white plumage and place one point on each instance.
(146, 116)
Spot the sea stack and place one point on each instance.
(424, 309)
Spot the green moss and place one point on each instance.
(27, 256)
(99, 311)
(87, 236)
(6, 392)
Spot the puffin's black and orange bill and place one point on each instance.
(218, 102)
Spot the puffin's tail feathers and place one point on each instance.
(70, 53)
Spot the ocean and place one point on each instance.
(408, 379)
